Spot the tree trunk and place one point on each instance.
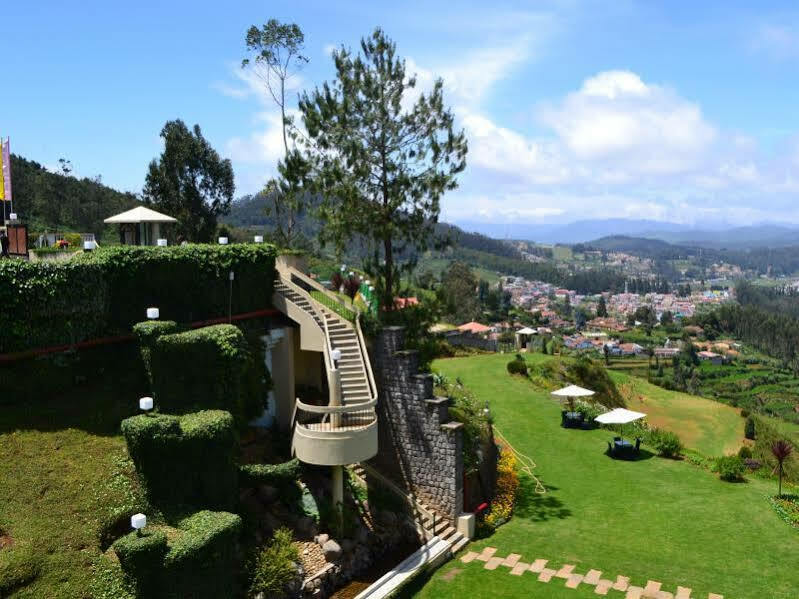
(388, 292)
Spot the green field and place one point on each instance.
(654, 518)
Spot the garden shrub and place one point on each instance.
(19, 565)
(730, 468)
(518, 366)
(506, 489)
(749, 428)
(275, 566)
(185, 460)
(104, 292)
(206, 368)
(147, 332)
(745, 453)
(275, 475)
(141, 557)
(592, 375)
(200, 559)
(203, 560)
(667, 443)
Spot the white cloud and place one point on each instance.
(616, 116)
(777, 41)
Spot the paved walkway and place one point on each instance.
(516, 567)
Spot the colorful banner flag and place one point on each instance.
(6, 177)
(2, 173)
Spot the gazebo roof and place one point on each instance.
(140, 214)
(527, 331)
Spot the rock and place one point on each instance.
(267, 494)
(332, 550)
(321, 539)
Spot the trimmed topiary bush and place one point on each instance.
(200, 559)
(205, 368)
(203, 560)
(185, 460)
(141, 556)
(147, 332)
(274, 475)
(745, 453)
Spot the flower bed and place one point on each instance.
(507, 488)
(787, 507)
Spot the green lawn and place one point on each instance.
(64, 474)
(651, 519)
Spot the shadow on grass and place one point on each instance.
(631, 456)
(537, 507)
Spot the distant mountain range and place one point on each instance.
(711, 236)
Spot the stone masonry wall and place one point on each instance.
(420, 448)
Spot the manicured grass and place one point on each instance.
(708, 426)
(64, 474)
(652, 519)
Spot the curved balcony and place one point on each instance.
(335, 435)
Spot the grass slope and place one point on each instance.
(650, 519)
(63, 473)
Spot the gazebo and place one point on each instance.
(523, 337)
(140, 225)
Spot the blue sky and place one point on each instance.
(678, 111)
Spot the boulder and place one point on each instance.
(332, 550)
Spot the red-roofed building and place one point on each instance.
(475, 328)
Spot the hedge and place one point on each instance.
(147, 332)
(104, 292)
(185, 460)
(203, 561)
(207, 368)
(274, 475)
(200, 561)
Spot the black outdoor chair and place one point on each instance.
(638, 445)
(617, 438)
(610, 448)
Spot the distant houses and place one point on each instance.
(712, 357)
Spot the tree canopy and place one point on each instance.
(381, 154)
(189, 181)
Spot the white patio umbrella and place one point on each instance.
(619, 416)
(571, 392)
(526, 331)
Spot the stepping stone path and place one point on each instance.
(517, 567)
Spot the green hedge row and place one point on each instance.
(200, 561)
(274, 475)
(104, 292)
(185, 460)
(207, 368)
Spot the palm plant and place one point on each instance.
(781, 450)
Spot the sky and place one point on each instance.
(676, 111)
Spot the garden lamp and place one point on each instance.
(146, 404)
(223, 240)
(258, 239)
(153, 313)
(138, 521)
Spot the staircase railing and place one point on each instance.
(367, 363)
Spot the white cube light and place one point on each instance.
(88, 246)
(153, 313)
(223, 241)
(335, 355)
(352, 274)
(138, 521)
(258, 239)
(343, 267)
(146, 403)
(12, 216)
(231, 275)
(367, 282)
(371, 287)
(162, 243)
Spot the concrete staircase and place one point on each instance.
(343, 337)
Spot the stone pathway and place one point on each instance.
(516, 567)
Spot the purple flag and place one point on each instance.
(7, 169)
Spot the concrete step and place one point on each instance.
(460, 544)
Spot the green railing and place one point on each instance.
(333, 305)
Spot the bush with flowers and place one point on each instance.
(506, 490)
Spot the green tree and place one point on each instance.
(189, 181)
(458, 292)
(380, 165)
(667, 318)
(275, 55)
(602, 308)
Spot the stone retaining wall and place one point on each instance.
(420, 448)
